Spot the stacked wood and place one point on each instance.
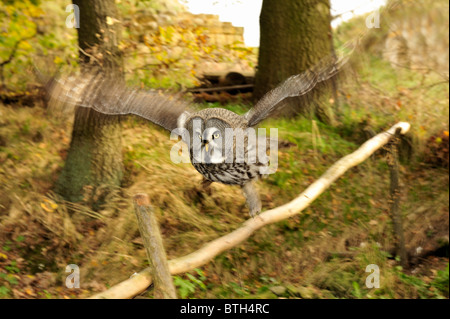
(224, 86)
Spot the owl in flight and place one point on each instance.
(212, 135)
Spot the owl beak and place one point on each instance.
(205, 144)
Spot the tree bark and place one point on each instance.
(295, 35)
(153, 242)
(395, 200)
(94, 160)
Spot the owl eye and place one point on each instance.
(216, 135)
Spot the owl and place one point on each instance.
(223, 146)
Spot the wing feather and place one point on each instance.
(296, 85)
(112, 97)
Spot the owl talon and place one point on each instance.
(252, 197)
(206, 186)
(253, 214)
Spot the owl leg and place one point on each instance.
(252, 197)
(206, 186)
(206, 183)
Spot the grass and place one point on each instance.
(295, 252)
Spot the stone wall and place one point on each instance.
(219, 33)
(218, 36)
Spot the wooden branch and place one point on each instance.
(159, 268)
(395, 201)
(141, 281)
(220, 88)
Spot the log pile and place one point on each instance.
(224, 87)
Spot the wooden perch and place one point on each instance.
(395, 200)
(141, 281)
(159, 268)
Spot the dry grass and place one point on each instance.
(297, 251)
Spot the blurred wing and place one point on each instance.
(112, 97)
(296, 85)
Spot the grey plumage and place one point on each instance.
(296, 85)
(212, 151)
(112, 97)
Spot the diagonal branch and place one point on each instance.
(139, 282)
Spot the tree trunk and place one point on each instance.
(99, 35)
(295, 35)
(94, 162)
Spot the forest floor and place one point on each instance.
(321, 253)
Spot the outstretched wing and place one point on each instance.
(112, 97)
(296, 85)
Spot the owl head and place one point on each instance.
(207, 134)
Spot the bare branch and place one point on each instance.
(151, 235)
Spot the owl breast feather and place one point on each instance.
(229, 173)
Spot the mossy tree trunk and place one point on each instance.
(295, 34)
(94, 161)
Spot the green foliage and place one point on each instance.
(17, 24)
(173, 55)
(32, 34)
(4, 291)
(9, 279)
(385, 93)
(17, 28)
(356, 290)
(12, 268)
(167, 57)
(170, 55)
(441, 282)
(188, 286)
(438, 288)
(7, 246)
(238, 289)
